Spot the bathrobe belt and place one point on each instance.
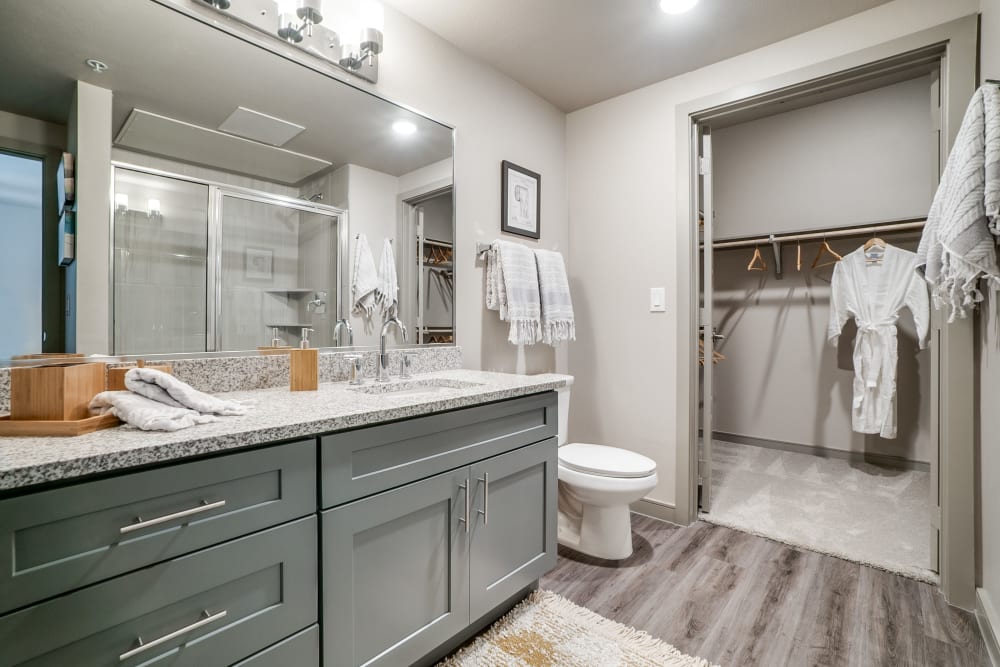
(876, 341)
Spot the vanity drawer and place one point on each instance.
(212, 607)
(56, 541)
(301, 650)
(359, 463)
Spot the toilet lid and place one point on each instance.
(605, 461)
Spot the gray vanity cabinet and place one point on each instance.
(395, 573)
(514, 523)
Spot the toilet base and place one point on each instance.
(601, 532)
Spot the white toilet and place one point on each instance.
(596, 485)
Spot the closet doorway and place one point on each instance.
(428, 275)
(773, 193)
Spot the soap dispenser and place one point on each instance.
(304, 365)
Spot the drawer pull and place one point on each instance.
(206, 618)
(140, 524)
(486, 498)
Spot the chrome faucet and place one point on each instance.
(342, 322)
(383, 358)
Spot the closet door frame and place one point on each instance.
(954, 45)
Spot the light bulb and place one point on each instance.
(121, 201)
(677, 6)
(154, 206)
(372, 15)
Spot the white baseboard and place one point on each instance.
(989, 624)
(657, 510)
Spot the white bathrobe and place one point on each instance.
(874, 294)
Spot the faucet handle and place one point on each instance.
(406, 365)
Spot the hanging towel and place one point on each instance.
(512, 290)
(364, 281)
(145, 413)
(557, 306)
(387, 291)
(168, 390)
(957, 247)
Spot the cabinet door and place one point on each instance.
(513, 523)
(396, 573)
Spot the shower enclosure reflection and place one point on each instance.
(200, 267)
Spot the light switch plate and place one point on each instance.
(657, 299)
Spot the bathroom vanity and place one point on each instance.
(380, 525)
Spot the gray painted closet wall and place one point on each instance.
(862, 158)
(867, 157)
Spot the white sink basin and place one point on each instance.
(429, 386)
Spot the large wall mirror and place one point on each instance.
(240, 182)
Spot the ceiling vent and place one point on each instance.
(258, 126)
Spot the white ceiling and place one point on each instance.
(575, 53)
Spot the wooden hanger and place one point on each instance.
(757, 262)
(825, 249)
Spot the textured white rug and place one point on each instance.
(548, 630)
(856, 511)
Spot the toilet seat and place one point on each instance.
(604, 461)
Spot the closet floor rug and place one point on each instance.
(856, 511)
(547, 629)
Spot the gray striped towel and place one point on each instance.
(512, 290)
(558, 324)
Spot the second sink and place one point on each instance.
(427, 386)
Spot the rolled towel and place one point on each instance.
(558, 324)
(387, 293)
(364, 280)
(512, 289)
(145, 413)
(168, 390)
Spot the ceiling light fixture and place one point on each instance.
(347, 33)
(677, 6)
(404, 127)
(97, 65)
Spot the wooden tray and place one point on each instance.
(33, 427)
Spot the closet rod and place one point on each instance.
(829, 234)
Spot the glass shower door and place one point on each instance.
(160, 265)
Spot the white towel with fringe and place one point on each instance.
(558, 324)
(145, 413)
(387, 292)
(364, 279)
(168, 390)
(957, 247)
(512, 290)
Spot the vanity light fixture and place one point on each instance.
(677, 6)
(347, 33)
(154, 210)
(121, 203)
(404, 127)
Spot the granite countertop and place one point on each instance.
(278, 414)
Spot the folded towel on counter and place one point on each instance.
(957, 247)
(387, 292)
(558, 324)
(168, 390)
(364, 279)
(512, 290)
(145, 413)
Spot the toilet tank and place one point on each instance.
(563, 393)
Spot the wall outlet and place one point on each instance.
(657, 299)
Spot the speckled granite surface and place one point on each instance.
(221, 374)
(278, 415)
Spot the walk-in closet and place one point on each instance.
(823, 440)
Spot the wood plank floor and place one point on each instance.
(738, 599)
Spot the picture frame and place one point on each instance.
(259, 264)
(520, 200)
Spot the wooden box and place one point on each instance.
(304, 369)
(116, 376)
(59, 392)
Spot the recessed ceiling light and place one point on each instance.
(404, 127)
(677, 6)
(97, 65)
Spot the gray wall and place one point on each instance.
(783, 381)
(863, 158)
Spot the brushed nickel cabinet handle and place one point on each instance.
(486, 498)
(206, 618)
(140, 523)
(465, 520)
